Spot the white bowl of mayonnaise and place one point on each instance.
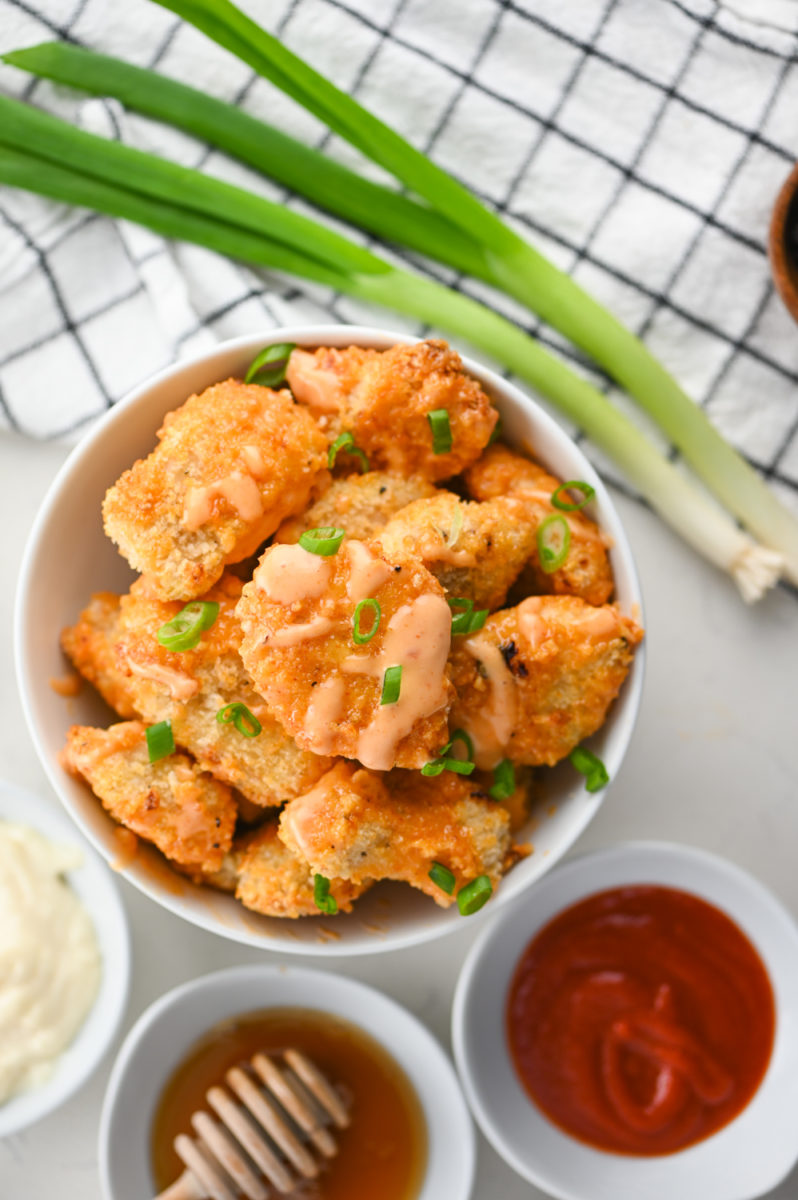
(64, 958)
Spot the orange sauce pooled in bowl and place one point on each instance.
(381, 1155)
(641, 1020)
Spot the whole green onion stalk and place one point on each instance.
(38, 152)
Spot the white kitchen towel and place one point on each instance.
(639, 143)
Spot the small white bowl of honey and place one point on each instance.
(407, 1136)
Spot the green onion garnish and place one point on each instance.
(160, 741)
(554, 540)
(447, 762)
(321, 895)
(466, 621)
(591, 767)
(245, 721)
(324, 541)
(471, 898)
(345, 441)
(270, 365)
(498, 430)
(503, 781)
(441, 431)
(358, 637)
(442, 877)
(573, 485)
(184, 630)
(391, 685)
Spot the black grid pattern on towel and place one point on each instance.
(583, 153)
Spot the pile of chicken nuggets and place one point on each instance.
(368, 602)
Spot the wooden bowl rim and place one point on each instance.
(784, 270)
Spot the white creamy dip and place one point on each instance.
(49, 957)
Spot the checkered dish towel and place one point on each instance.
(639, 143)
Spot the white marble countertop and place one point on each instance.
(711, 764)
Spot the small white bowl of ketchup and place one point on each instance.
(629, 1031)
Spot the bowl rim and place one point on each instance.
(398, 1028)
(702, 873)
(97, 890)
(785, 273)
(314, 335)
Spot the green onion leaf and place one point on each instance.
(554, 541)
(321, 895)
(477, 620)
(245, 721)
(591, 767)
(358, 637)
(474, 895)
(269, 368)
(391, 685)
(184, 630)
(324, 541)
(503, 781)
(498, 430)
(447, 762)
(442, 877)
(441, 431)
(466, 621)
(346, 441)
(460, 735)
(573, 485)
(160, 741)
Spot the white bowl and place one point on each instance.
(749, 1156)
(92, 883)
(164, 1034)
(68, 557)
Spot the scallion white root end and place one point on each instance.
(756, 570)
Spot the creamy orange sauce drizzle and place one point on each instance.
(531, 625)
(324, 710)
(66, 685)
(367, 572)
(288, 574)
(417, 639)
(253, 460)
(292, 635)
(311, 384)
(181, 687)
(490, 729)
(239, 490)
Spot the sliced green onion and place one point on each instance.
(447, 762)
(324, 541)
(460, 735)
(346, 441)
(184, 630)
(573, 485)
(442, 877)
(441, 430)
(358, 637)
(466, 621)
(591, 767)
(391, 685)
(321, 895)
(270, 365)
(503, 781)
(554, 541)
(471, 898)
(245, 721)
(477, 620)
(160, 741)
(498, 430)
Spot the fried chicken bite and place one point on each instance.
(474, 550)
(360, 504)
(518, 805)
(186, 813)
(230, 465)
(328, 691)
(586, 571)
(274, 881)
(539, 678)
(385, 397)
(90, 646)
(357, 825)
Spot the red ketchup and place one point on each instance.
(641, 1020)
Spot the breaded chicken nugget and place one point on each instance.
(361, 504)
(275, 881)
(539, 678)
(90, 644)
(231, 464)
(473, 550)
(384, 400)
(518, 804)
(586, 571)
(358, 825)
(188, 815)
(335, 696)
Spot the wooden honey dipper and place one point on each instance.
(213, 1159)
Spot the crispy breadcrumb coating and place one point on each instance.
(183, 811)
(474, 550)
(384, 397)
(276, 882)
(539, 678)
(360, 504)
(586, 571)
(297, 616)
(230, 465)
(90, 645)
